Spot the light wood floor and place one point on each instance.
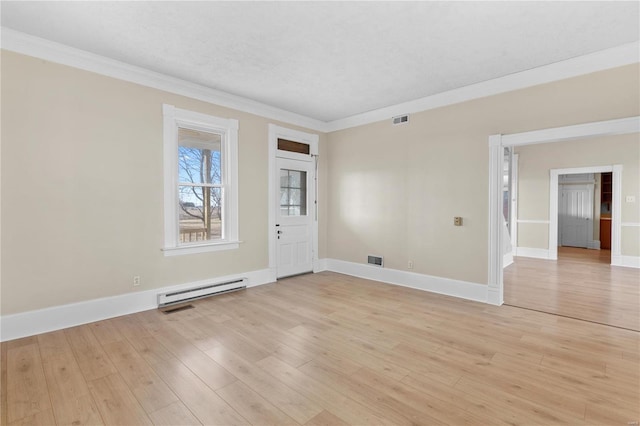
(326, 349)
(580, 284)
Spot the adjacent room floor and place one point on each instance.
(326, 349)
(580, 284)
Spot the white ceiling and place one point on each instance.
(331, 60)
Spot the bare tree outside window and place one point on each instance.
(200, 185)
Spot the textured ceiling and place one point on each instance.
(331, 60)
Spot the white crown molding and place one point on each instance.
(18, 42)
(620, 126)
(598, 61)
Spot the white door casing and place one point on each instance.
(276, 156)
(575, 215)
(616, 222)
(294, 223)
(497, 142)
(514, 202)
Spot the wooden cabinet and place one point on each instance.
(605, 233)
(606, 195)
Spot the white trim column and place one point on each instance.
(553, 215)
(496, 159)
(514, 203)
(616, 216)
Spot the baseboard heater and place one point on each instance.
(187, 295)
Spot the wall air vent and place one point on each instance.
(401, 119)
(374, 260)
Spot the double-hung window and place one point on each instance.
(201, 182)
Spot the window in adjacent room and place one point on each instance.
(201, 196)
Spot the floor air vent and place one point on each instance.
(172, 309)
(374, 260)
(187, 295)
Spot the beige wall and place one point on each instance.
(533, 235)
(82, 182)
(533, 186)
(82, 188)
(394, 190)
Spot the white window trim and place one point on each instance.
(173, 118)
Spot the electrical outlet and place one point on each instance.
(410, 265)
(136, 281)
(457, 221)
(630, 199)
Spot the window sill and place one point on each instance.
(200, 248)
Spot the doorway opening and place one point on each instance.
(576, 279)
(577, 283)
(584, 217)
(497, 143)
(568, 273)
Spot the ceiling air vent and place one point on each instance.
(401, 119)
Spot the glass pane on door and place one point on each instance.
(293, 192)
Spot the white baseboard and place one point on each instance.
(532, 252)
(593, 245)
(494, 296)
(59, 317)
(320, 265)
(449, 287)
(620, 260)
(507, 259)
(626, 261)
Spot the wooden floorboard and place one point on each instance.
(581, 284)
(3, 384)
(329, 349)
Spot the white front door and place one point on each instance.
(294, 217)
(576, 215)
